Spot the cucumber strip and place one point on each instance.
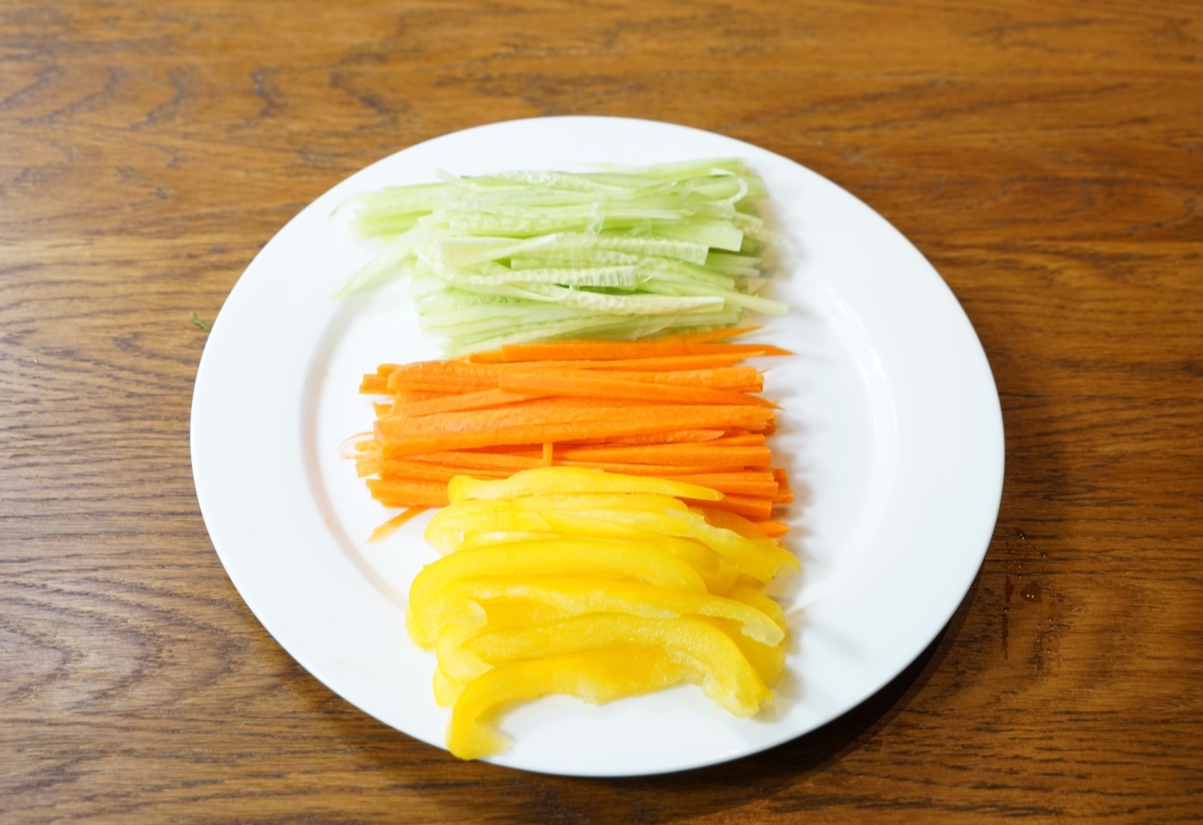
(649, 266)
(745, 300)
(615, 251)
(711, 233)
(612, 277)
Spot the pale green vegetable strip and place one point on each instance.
(622, 252)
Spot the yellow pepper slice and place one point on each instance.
(587, 557)
(710, 657)
(768, 659)
(597, 677)
(763, 559)
(450, 524)
(716, 572)
(577, 595)
(588, 515)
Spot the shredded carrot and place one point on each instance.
(476, 400)
(544, 384)
(773, 529)
(743, 379)
(681, 408)
(658, 470)
(538, 421)
(470, 462)
(394, 493)
(703, 454)
(674, 437)
(389, 527)
(751, 507)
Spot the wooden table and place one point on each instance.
(1047, 159)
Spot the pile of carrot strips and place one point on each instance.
(683, 408)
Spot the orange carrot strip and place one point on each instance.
(750, 507)
(539, 421)
(376, 383)
(469, 462)
(785, 494)
(373, 385)
(660, 470)
(661, 438)
(442, 376)
(744, 379)
(477, 400)
(396, 469)
(389, 527)
(534, 384)
(706, 453)
(773, 529)
(408, 493)
(742, 439)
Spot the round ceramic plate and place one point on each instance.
(891, 431)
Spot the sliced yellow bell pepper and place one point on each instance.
(449, 525)
(710, 656)
(716, 572)
(428, 610)
(768, 659)
(594, 584)
(578, 595)
(762, 558)
(596, 676)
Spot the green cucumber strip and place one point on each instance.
(615, 251)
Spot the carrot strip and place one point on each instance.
(706, 454)
(376, 383)
(662, 438)
(680, 407)
(408, 493)
(660, 470)
(575, 420)
(397, 469)
(751, 507)
(547, 420)
(773, 529)
(442, 376)
(744, 379)
(389, 527)
(477, 400)
(470, 462)
(558, 384)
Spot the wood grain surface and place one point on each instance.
(1046, 157)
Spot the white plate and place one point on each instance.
(891, 430)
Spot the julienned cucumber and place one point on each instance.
(622, 253)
